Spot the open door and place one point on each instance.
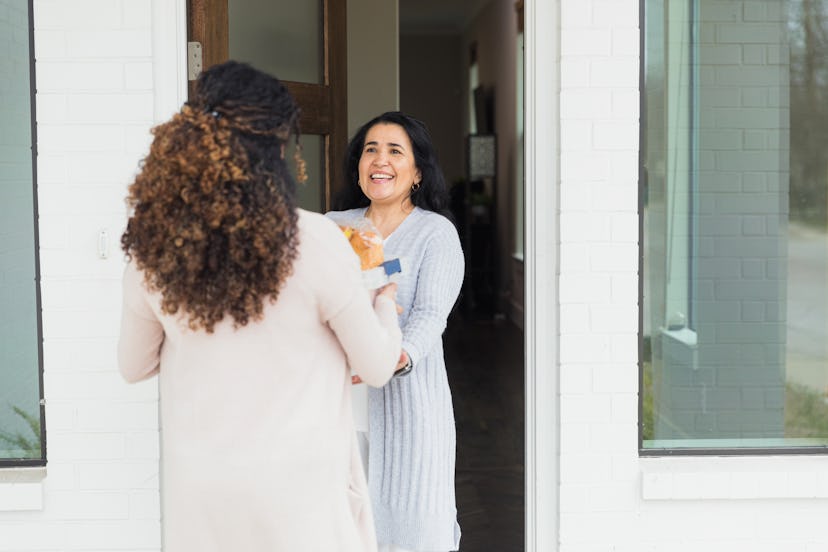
(278, 36)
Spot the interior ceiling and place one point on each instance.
(437, 16)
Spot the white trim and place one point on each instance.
(169, 57)
(542, 89)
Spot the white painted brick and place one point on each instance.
(51, 107)
(138, 76)
(585, 42)
(22, 536)
(79, 137)
(612, 135)
(576, 135)
(586, 408)
(615, 14)
(574, 258)
(624, 227)
(21, 496)
(143, 445)
(592, 469)
(119, 44)
(120, 475)
(617, 257)
(615, 378)
(615, 197)
(118, 416)
(621, 72)
(576, 196)
(71, 76)
(573, 498)
(116, 171)
(88, 505)
(145, 505)
(60, 476)
(613, 437)
(103, 535)
(86, 446)
(51, 170)
(624, 348)
(102, 108)
(585, 228)
(87, 355)
(625, 41)
(583, 288)
(585, 104)
(137, 14)
(66, 323)
(57, 14)
(624, 289)
(579, 167)
(575, 73)
(49, 45)
(60, 418)
(609, 318)
(87, 386)
(576, 379)
(612, 498)
(575, 317)
(580, 348)
(576, 13)
(137, 139)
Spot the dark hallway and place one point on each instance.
(484, 360)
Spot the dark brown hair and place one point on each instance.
(214, 221)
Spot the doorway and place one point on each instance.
(459, 69)
(484, 346)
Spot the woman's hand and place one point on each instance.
(403, 360)
(390, 291)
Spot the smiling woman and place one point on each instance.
(394, 180)
(21, 415)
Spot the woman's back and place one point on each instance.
(257, 433)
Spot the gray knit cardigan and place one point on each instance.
(412, 435)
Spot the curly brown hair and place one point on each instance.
(214, 220)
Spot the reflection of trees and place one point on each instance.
(809, 110)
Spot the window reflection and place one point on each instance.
(734, 181)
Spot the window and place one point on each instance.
(21, 413)
(734, 207)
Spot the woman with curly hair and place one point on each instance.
(393, 179)
(250, 310)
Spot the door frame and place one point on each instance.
(324, 105)
(541, 204)
(541, 329)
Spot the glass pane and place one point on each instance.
(735, 228)
(20, 421)
(282, 37)
(313, 152)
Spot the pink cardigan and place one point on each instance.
(258, 447)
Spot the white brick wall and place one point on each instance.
(96, 101)
(95, 105)
(610, 499)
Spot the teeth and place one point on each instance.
(381, 176)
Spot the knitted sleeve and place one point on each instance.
(439, 279)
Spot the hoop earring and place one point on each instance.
(415, 186)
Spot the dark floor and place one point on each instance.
(485, 367)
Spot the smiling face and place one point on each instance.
(387, 169)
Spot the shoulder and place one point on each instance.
(435, 224)
(316, 231)
(345, 217)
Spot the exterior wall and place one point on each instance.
(95, 104)
(98, 83)
(610, 498)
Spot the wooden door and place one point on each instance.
(324, 104)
